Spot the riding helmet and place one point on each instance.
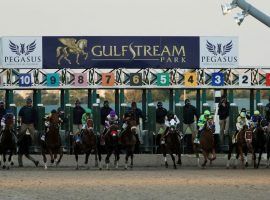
(112, 113)
(187, 102)
(206, 112)
(88, 111)
(256, 112)
(242, 114)
(159, 104)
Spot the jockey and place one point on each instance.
(8, 121)
(170, 116)
(48, 121)
(241, 121)
(204, 118)
(110, 120)
(256, 118)
(87, 115)
(130, 115)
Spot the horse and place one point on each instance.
(259, 141)
(71, 47)
(52, 141)
(112, 145)
(128, 140)
(170, 143)
(242, 142)
(207, 144)
(86, 143)
(268, 145)
(8, 143)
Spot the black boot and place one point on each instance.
(137, 138)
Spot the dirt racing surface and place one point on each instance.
(149, 179)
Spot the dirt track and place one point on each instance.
(148, 180)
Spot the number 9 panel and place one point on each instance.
(53, 80)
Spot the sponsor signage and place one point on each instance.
(21, 52)
(218, 52)
(120, 51)
(82, 52)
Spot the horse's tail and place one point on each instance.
(58, 51)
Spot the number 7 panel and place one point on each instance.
(107, 79)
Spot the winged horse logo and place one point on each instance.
(219, 49)
(72, 46)
(22, 50)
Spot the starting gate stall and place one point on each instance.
(149, 142)
(96, 117)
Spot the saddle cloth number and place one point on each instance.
(248, 136)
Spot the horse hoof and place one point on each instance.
(234, 167)
(8, 167)
(4, 167)
(246, 165)
(100, 168)
(166, 165)
(12, 163)
(36, 163)
(179, 162)
(174, 167)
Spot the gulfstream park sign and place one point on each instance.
(78, 52)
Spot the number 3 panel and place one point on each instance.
(107, 79)
(53, 80)
(135, 79)
(80, 79)
(217, 79)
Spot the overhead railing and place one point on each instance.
(225, 78)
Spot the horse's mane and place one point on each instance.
(54, 119)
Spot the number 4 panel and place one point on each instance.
(190, 79)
